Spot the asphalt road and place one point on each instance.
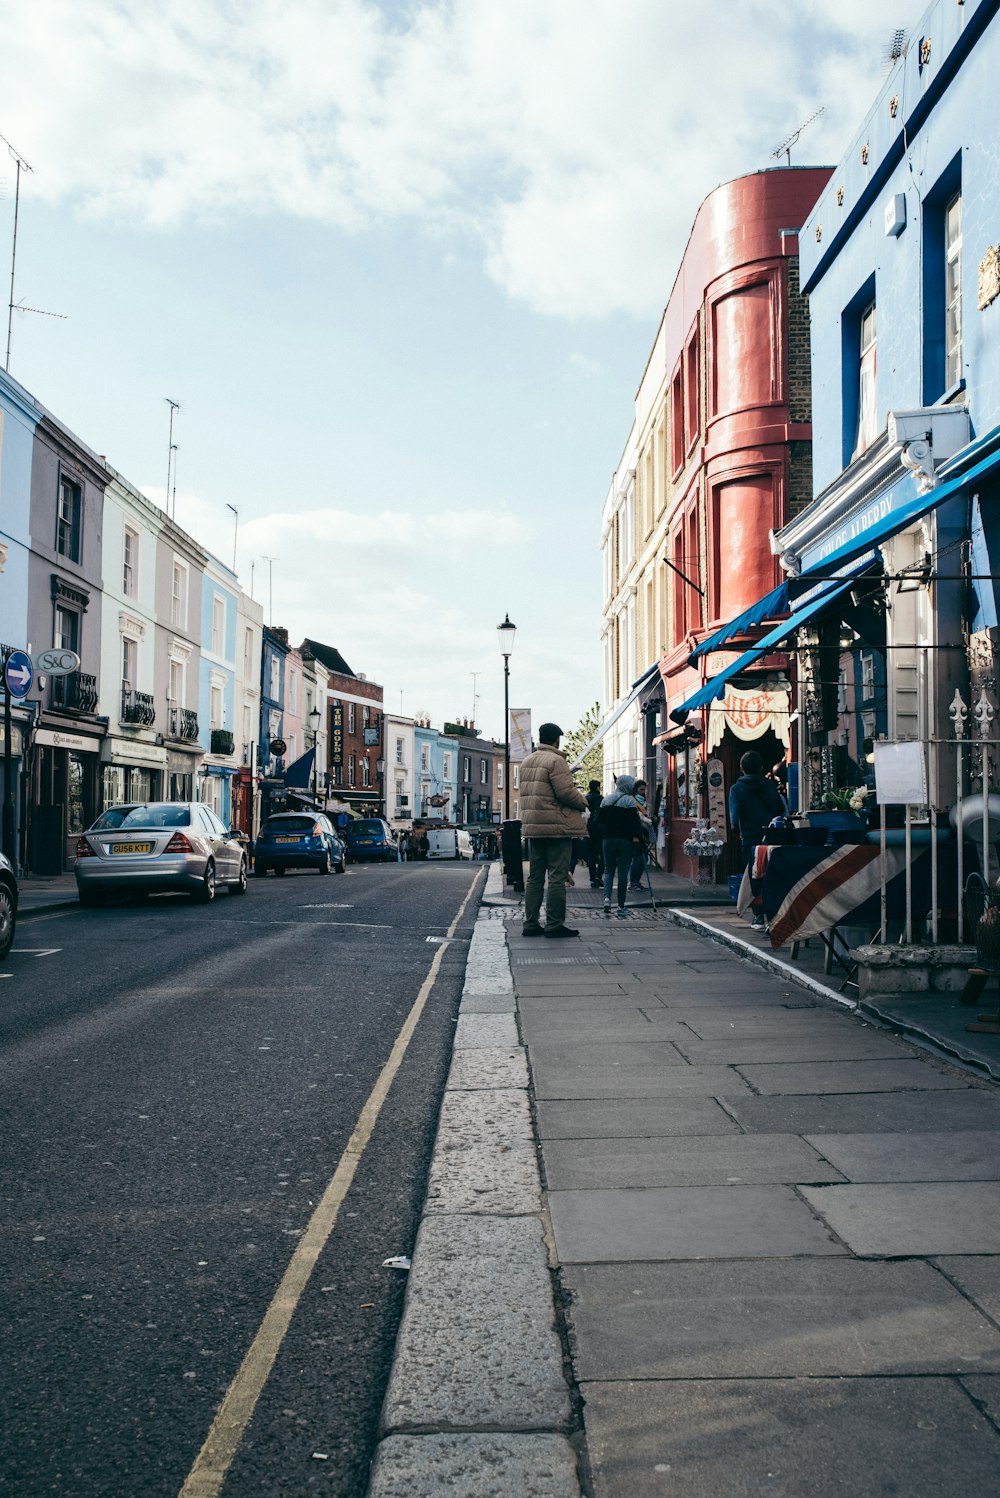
(177, 1086)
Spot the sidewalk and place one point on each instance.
(36, 893)
(773, 1236)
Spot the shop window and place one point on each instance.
(68, 517)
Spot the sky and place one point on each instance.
(402, 265)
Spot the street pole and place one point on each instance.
(7, 837)
(506, 737)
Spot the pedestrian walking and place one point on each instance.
(552, 810)
(595, 847)
(753, 800)
(638, 868)
(621, 829)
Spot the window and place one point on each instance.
(178, 596)
(130, 661)
(291, 753)
(953, 291)
(247, 732)
(425, 756)
(366, 716)
(366, 771)
(868, 676)
(516, 778)
(68, 519)
(692, 411)
(66, 635)
(484, 772)
(867, 429)
(293, 690)
(676, 423)
(130, 563)
(218, 625)
(216, 709)
(399, 751)
(351, 769)
(446, 766)
(247, 653)
(499, 775)
(352, 718)
(175, 684)
(467, 774)
(275, 688)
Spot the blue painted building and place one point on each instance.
(435, 774)
(901, 264)
(217, 687)
(274, 653)
(18, 419)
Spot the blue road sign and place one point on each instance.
(18, 673)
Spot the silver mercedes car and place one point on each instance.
(165, 845)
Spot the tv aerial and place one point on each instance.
(785, 149)
(20, 166)
(893, 49)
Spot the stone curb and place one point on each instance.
(477, 1404)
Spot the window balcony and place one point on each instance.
(137, 708)
(183, 724)
(76, 693)
(222, 741)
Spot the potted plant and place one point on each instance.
(841, 809)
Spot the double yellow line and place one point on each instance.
(222, 1442)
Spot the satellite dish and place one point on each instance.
(972, 819)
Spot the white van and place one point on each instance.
(449, 842)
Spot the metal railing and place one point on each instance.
(76, 693)
(183, 724)
(138, 707)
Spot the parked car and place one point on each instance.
(449, 842)
(298, 840)
(163, 845)
(371, 837)
(8, 906)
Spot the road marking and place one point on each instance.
(222, 1442)
(364, 925)
(35, 951)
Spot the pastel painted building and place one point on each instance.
(435, 774)
(217, 687)
(400, 750)
(19, 417)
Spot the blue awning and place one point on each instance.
(716, 687)
(768, 607)
(299, 772)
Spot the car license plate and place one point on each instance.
(131, 848)
(288, 840)
(365, 842)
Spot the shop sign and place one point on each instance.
(749, 714)
(125, 751)
(55, 739)
(337, 734)
(15, 740)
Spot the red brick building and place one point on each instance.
(355, 733)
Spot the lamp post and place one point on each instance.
(505, 636)
(314, 721)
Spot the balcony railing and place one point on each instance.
(222, 741)
(138, 707)
(183, 724)
(76, 693)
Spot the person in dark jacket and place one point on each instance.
(595, 847)
(753, 800)
(621, 830)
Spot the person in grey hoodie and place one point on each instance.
(620, 828)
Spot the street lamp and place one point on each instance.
(314, 721)
(505, 636)
(380, 767)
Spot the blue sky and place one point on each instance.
(402, 265)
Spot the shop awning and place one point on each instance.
(770, 606)
(639, 687)
(299, 772)
(715, 688)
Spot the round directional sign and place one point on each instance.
(278, 747)
(57, 661)
(18, 674)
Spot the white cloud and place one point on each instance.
(571, 143)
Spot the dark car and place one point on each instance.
(8, 906)
(370, 837)
(298, 840)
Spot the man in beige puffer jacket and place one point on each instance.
(551, 808)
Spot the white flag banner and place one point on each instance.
(520, 734)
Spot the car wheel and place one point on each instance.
(240, 887)
(259, 869)
(91, 898)
(341, 867)
(8, 920)
(206, 894)
(279, 869)
(324, 867)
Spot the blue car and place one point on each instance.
(370, 837)
(298, 840)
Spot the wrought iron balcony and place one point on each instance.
(222, 741)
(183, 724)
(76, 693)
(138, 707)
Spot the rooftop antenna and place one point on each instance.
(475, 695)
(236, 527)
(785, 149)
(893, 49)
(171, 448)
(270, 587)
(174, 498)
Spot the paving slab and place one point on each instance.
(775, 1020)
(632, 1118)
(823, 1437)
(979, 1278)
(475, 1031)
(985, 1390)
(971, 1156)
(487, 1003)
(600, 1026)
(714, 1160)
(772, 1319)
(851, 1076)
(553, 1061)
(485, 1159)
(474, 1466)
(477, 1347)
(909, 1219)
(820, 1045)
(638, 1077)
(864, 1113)
(573, 1002)
(499, 1067)
(718, 1222)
